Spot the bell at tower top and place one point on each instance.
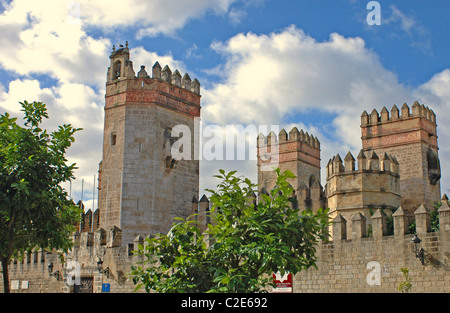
(120, 66)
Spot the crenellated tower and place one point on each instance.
(360, 186)
(410, 135)
(298, 152)
(142, 187)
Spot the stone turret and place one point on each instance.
(374, 184)
(409, 136)
(299, 152)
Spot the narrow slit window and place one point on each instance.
(113, 139)
(130, 249)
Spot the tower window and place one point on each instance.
(117, 70)
(130, 249)
(113, 139)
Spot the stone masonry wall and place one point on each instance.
(298, 152)
(349, 262)
(156, 188)
(373, 184)
(407, 135)
(142, 187)
(353, 262)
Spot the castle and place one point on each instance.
(142, 187)
(398, 165)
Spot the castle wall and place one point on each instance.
(31, 274)
(349, 262)
(361, 264)
(90, 247)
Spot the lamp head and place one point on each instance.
(416, 240)
(99, 265)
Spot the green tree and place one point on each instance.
(247, 242)
(35, 211)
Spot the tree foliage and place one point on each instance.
(247, 242)
(35, 211)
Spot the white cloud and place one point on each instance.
(153, 17)
(267, 78)
(192, 52)
(140, 56)
(236, 15)
(18, 91)
(419, 35)
(437, 90)
(436, 94)
(264, 79)
(68, 103)
(49, 37)
(82, 106)
(41, 37)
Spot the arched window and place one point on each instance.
(117, 70)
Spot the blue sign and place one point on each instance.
(106, 287)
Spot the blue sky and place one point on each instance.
(312, 64)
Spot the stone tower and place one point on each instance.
(142, 186)
(298, 152)
(411, 137)
(359, 186)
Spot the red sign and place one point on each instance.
(284, 283)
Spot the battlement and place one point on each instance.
(295, 146)
(296, 151)
(98, 238)
(164, 88)
(345, 256)
(90, 221)
(121, 69)
(370, 163)
(174, 78)
(381, 131)
(417, 110)
(410, 136)
(293, 136)
(401, 222)
(201, 209)
(374, 183)
(368, 257)
(112, 238)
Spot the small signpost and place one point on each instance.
(106, 287)
(284, 283)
